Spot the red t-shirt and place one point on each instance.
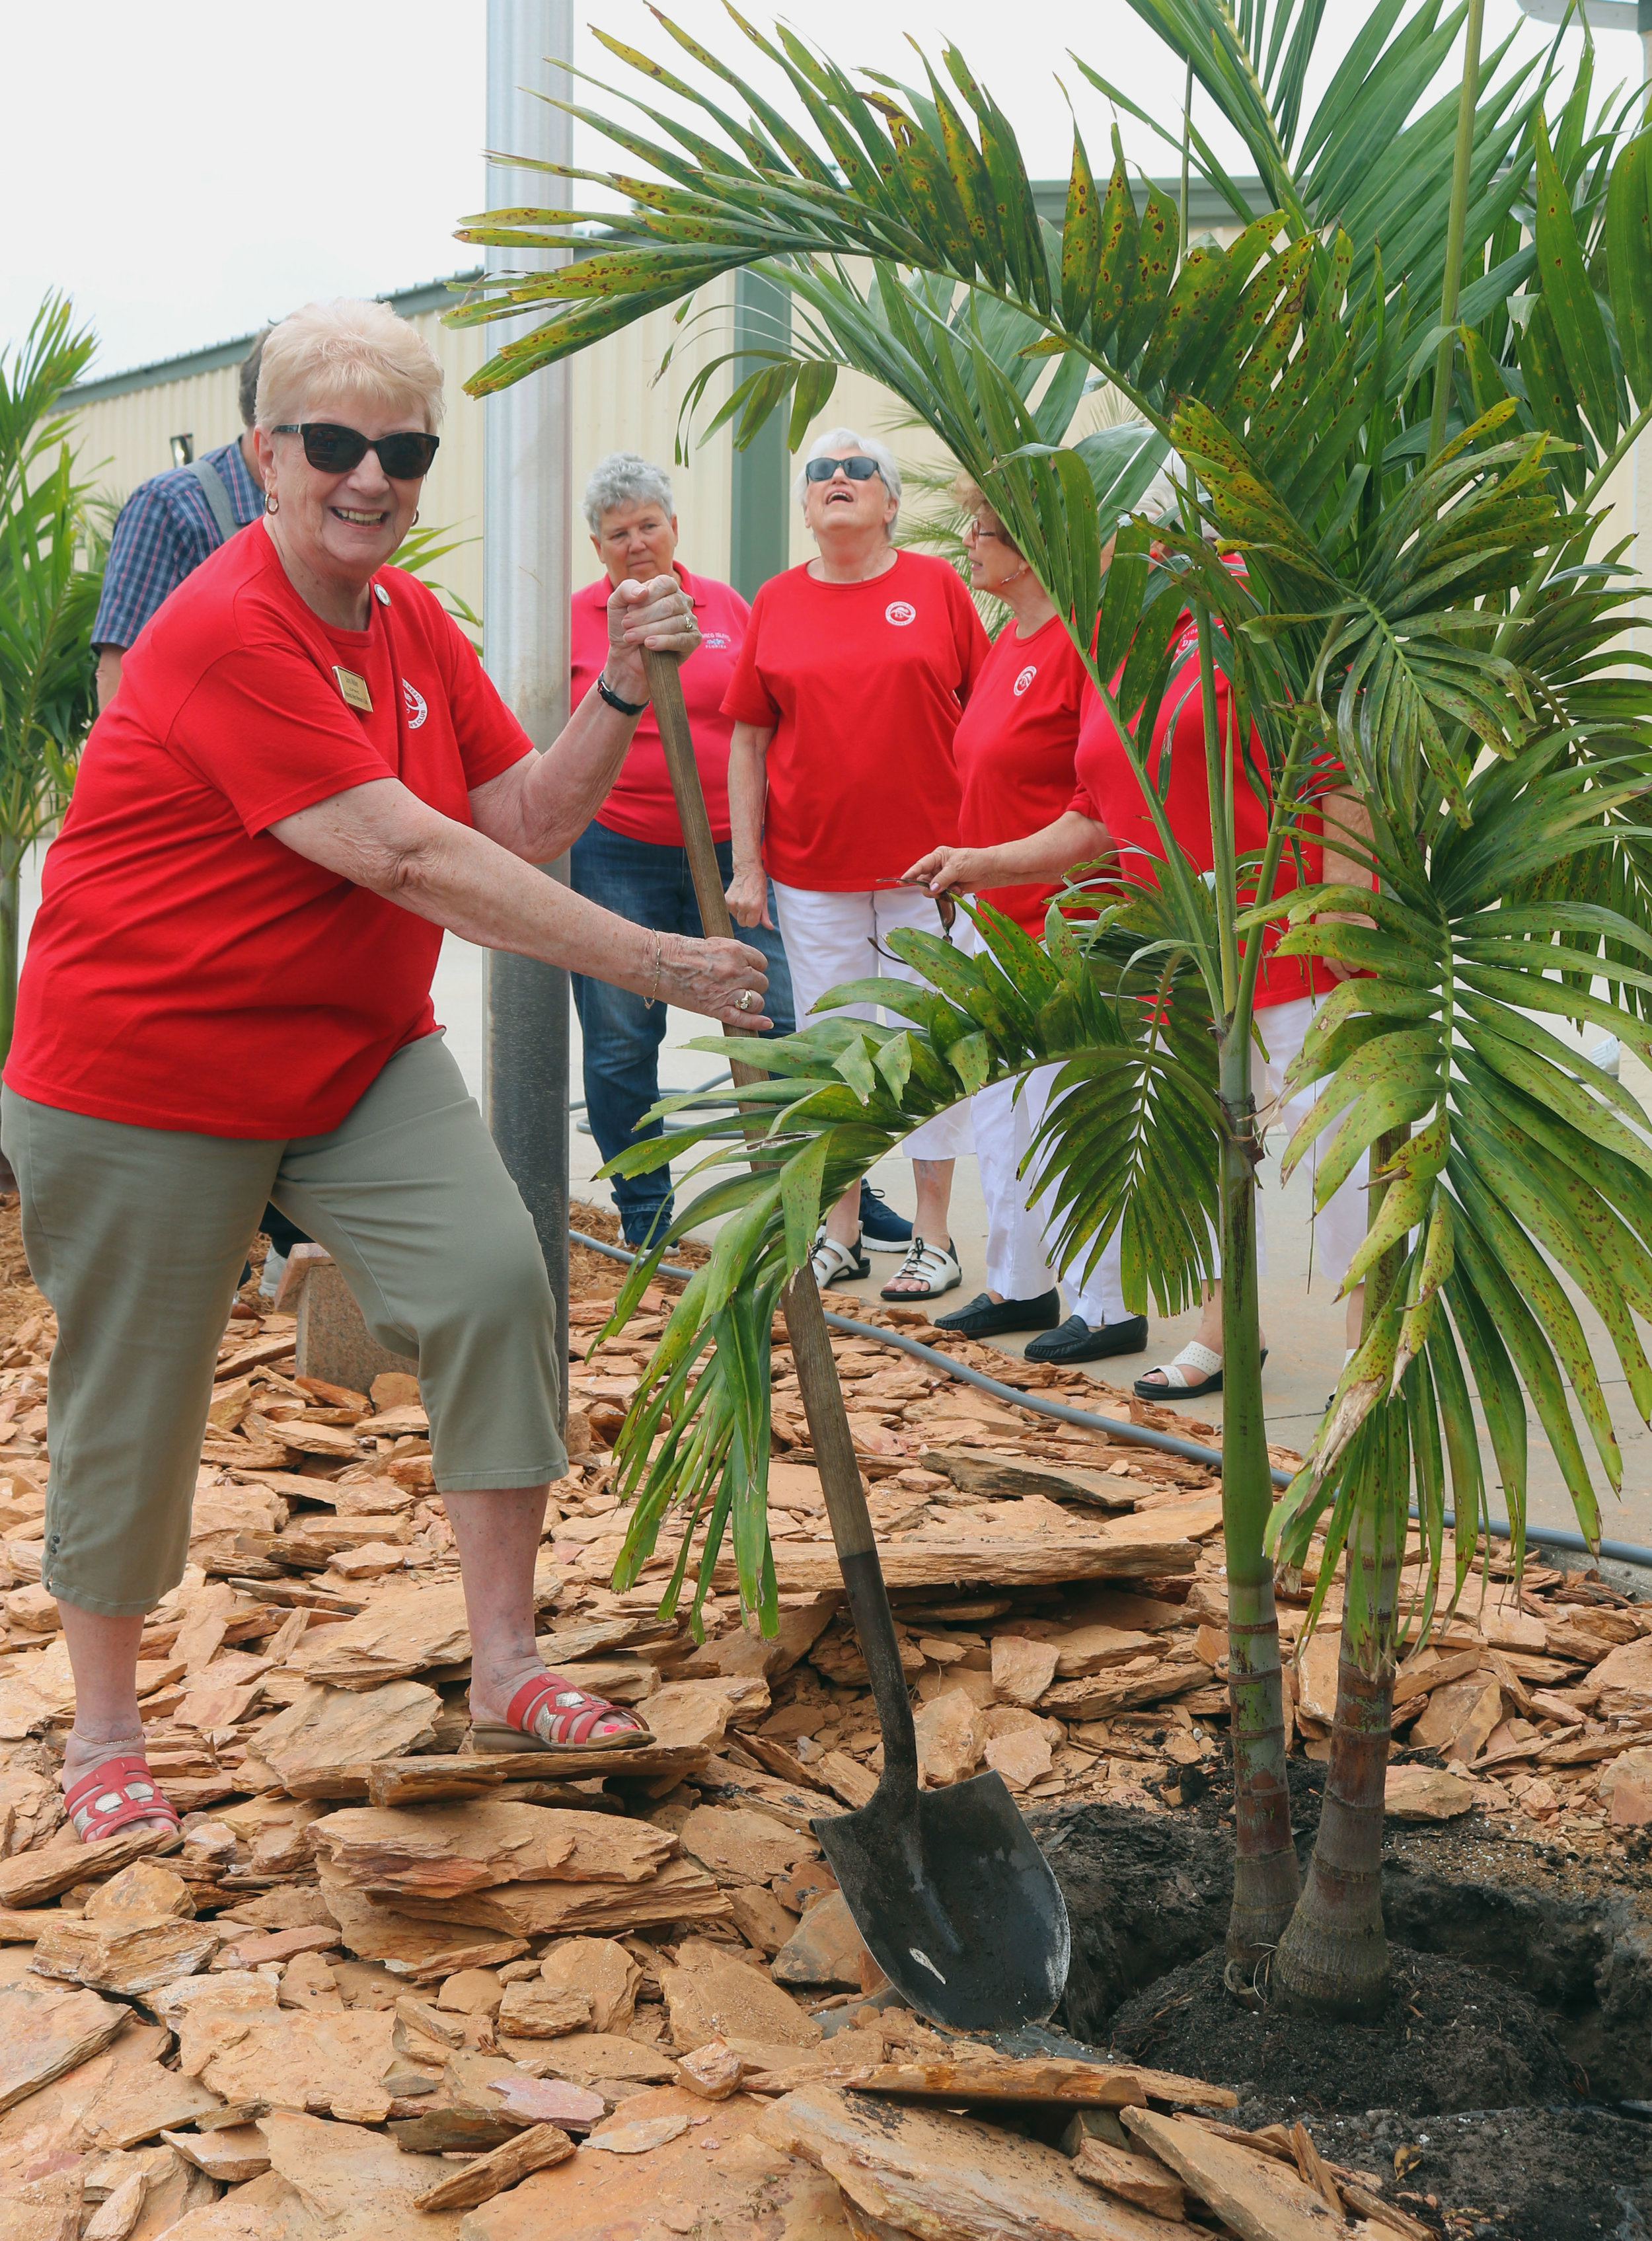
(1108, 792)
(1014, 747)
(641, 803)
(185, 969)
(862, 685)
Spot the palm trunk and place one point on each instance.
(10, 928)
(1266, 1880)
(1332, 1959)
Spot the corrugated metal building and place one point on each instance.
(737, 516)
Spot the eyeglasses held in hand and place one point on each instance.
(857, 466)
(335, 451)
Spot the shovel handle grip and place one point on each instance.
(670, 713)
(845, 1501)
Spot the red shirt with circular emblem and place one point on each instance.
(862, 685)
(1015, 747)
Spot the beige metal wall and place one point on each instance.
(619, 404)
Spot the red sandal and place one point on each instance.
(113, 1795)
(572, 1719)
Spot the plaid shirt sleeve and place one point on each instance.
(165, 532)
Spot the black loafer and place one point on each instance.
(985, 1317)
(1076, 1341)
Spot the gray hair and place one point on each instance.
(624, 478)
(847, 440)
(247, 386)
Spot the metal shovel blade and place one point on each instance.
(956, 1903)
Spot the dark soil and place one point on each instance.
(1148, 1892)
(1453, 2037)
(1523, 1993)
(1506, 2174)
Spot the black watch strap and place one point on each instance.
(624, 707)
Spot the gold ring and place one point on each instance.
(745, 1001)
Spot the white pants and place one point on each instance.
(1017, 1236)
(1340, 1228)
(830, 939)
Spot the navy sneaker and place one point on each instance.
(882, 1230)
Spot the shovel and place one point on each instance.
(954, 1900)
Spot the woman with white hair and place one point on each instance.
(305, 776)
(855, 670)
(631, 857)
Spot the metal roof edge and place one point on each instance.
(1206, 208)
(428, 296)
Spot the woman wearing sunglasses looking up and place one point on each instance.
(305, 776)
(855, 670)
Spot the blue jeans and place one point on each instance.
(651, 886)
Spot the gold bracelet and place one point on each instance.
(648, 1001)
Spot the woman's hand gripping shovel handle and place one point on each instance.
(834, 1454)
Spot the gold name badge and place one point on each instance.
(354, 689)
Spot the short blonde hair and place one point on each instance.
(351, 351)
(968, 494)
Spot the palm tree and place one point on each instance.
(50, 573)
(1402, 407)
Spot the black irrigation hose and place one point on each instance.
(1541, 1537)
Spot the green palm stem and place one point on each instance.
(1333, 1955)
(1266, 1879)
(1333, 1960)
(12, 851)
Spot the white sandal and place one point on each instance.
(1178, 1385)
(831, 1261)
(937, 1266)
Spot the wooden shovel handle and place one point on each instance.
(800, 1302)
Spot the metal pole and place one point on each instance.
(526, 581)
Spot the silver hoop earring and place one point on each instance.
(271, 502)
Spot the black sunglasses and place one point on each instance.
(857, 466)
(335, 451)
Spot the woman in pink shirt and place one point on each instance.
(631, 857)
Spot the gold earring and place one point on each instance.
(271, 502)
(414, 523)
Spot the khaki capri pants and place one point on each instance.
(136, 1237)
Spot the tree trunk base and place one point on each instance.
(1266, 1891)
(1327, 1966)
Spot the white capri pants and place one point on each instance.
(829, 939)
(1017, 1236)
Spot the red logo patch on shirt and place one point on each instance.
(418, 707)
(1024, 680)
(901, 612)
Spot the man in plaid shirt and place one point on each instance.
(165, 530)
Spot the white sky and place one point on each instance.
(187, 170)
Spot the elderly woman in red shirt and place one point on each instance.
(1106, 812)
(855, 670)
(1014, 747)
(631, 857)
(304, 777)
